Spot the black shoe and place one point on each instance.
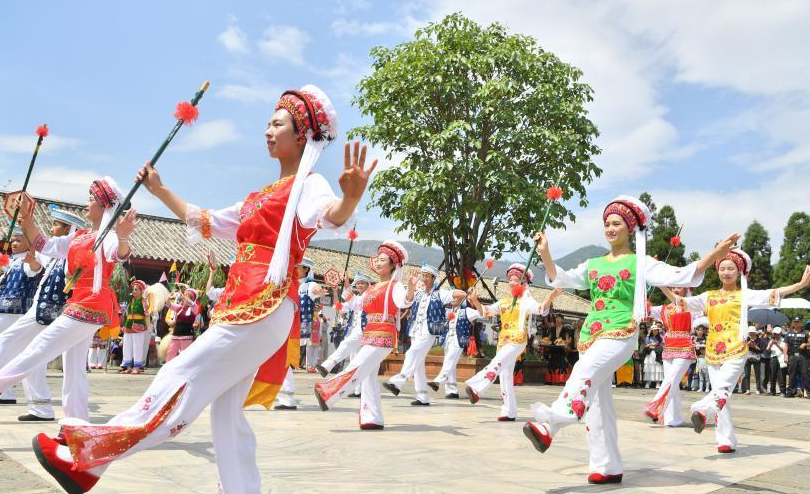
(285, 407)
(433, 385)
(7, 402)
(321, 370)
(392, 388)
(321, 402)
(354, 395)
(452, 396)
(418, 403)
(29, 417)
(371, 427)
(772, 394)
(698, 422)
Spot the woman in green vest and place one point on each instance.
(618, 284)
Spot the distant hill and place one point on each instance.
(419, 254)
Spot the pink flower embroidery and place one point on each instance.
(491, 376)
(718, 327)
(593, 274)
(721, 403)
(723, 301)
(177, 429)
(596, 327)
(599, 305)
(606, 283)
(720, 347)
(624, 274)
(712, 302)
(578, 406)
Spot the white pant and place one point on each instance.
(133, 349)
(313, 353)
(96, 357)
(147, 339)
(6, 321)
(588, 389)
(723, 379)
(217, 369)
(286, 395)
(503, 366)
(65, 336)
(668, 397)
(447, 376)
(414, 365)
(363, 370)
(348, 347)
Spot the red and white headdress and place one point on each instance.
(636, 216)
(139, 283)
(743, 263)
(316, 119)
(107, 194)
(517, 269)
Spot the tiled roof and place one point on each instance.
(164, 239)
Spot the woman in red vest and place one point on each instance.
(254, 314)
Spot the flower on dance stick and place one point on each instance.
(675, 241)
(451, 316)
(352, 234)
(42, 130)
(518, 291)
(554, 193)
(490, 263)
(4, 259)
(186, 112)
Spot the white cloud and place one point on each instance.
(234, 39)
(250, 93)
(24, 144)
(209, 135)
(285, 43)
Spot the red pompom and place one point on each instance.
(554, 193)
(490, 263)
(4, 259)
(186, 112)
(675, 241)
(42, 130)
(518, 290)
(451, 316)
(338, 306)
(352, 234)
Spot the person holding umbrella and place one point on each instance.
(798, 355)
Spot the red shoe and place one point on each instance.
(371, 427)
(698, 422)
(725, 449)
(539, 438)
(311, 370)
(73, 482)
(472, 395)
(598, 478)
(504, 418)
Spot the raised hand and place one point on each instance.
(724, 247)
(211, 257)
(806, 276)
(542, 242)
(126, 225)
(354, 179)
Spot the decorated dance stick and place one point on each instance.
(352, 238)
(488, 264)
(553, 194)
(42, 132)
(186, 113)
(673, 242)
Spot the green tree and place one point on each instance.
(757, 244)
(795, 252)
(486, 121)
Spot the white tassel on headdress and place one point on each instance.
(280, 263)
(743, 306)
(640, 293)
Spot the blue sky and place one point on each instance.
(705, 104)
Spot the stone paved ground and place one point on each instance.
(448, 447)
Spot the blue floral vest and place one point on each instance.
(17, 289)
(351, 319)
(51, 295)
(436, 317)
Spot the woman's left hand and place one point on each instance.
(127, 224)
(354, 179)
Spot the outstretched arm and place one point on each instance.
(800, 285)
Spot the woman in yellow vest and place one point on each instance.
(511, 340)
(726, 350)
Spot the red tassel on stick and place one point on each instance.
(4, 259)
(451, 316)
(353, 234)
(42, 131)
(186, 112)
(490, 263)
(675, 241)
(518, 291)
(554, 193)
